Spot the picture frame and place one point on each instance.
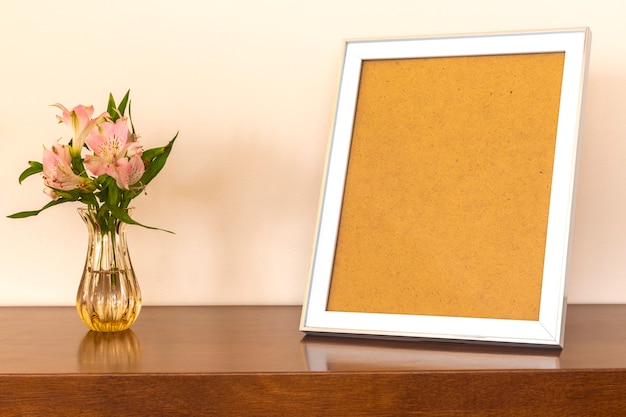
(447, 203)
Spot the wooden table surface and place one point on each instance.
(253, 361)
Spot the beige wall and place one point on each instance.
(251, 87)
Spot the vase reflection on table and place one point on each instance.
(110, 352)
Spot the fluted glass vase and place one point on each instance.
(108, 298)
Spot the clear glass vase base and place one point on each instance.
(108, 297)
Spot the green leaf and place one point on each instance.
(127, 196)
(77, 164)
(70, 195)
(130, 118)
(114, 194)
(123, 103)
(115, 111)
(104, 187)
(122, 215)
(90, 200)
(111, 108)
(150, 154)
(34, 168)
(24, 214)
(155, 161)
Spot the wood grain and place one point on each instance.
(247, 361)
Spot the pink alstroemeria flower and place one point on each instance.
(80, 121)
(130, 170)
(57, 171)
(115, 154)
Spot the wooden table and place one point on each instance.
(247, 361)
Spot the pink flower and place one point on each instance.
(80, 121)
(136, 169)
(116, 153)
(57, 171)
(129, 171)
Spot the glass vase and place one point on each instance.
(108, 298)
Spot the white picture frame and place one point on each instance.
(547, 327)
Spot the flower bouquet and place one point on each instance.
(104, 166)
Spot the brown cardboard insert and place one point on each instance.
(447, 193)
